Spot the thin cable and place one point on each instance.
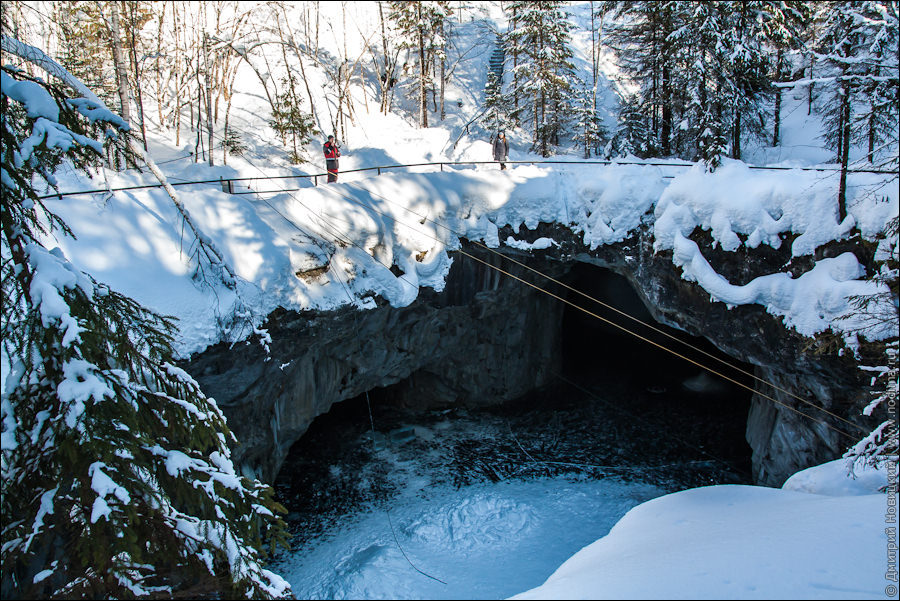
(596, 316)
(655, 329)
(643, 338)
(832, 172)
(660, 346)
(620, 312)
(390, 522)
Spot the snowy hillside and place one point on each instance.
(372, 222)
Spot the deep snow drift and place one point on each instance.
(822, 536)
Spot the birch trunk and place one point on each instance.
(121, 71)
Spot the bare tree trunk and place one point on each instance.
(390, 65)
(845, 152)
(209, 117)
(135, 65)
(443, 74)
(515, 54)
(423, 97)
(198, 145)
(121, 70)
(159, 81)
(178, 76)
(812, 63)
(778, 75)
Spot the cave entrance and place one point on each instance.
(470, 493)
(671, 396)
(620, 408)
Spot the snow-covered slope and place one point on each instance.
(410, 217)
(135, 242)
(822, 536)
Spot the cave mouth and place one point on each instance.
(619, 408)
(670, 395)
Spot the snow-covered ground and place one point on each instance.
(135, 242)
(822, 536)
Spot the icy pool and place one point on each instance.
(486, 541)
(487, 503)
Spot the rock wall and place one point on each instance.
(487, 338)
(483, 340)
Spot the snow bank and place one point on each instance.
(740, 542)
(743, 208)
(326, 246)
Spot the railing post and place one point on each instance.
(315, 180)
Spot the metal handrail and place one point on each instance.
(315, 176)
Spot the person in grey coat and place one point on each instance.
(501, 150)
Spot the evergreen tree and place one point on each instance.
(785, 28)
(84, 46)
(496, 108)
(639, 34)
(543, 72)
(704, 68)
(421, 26)
(116, 477)
(289, 120)
(857, 48)
(633, 136)
(589, 129)
(881, 309)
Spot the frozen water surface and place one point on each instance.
(483, 541)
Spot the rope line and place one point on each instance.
(636, 335)
(626, 330)
(390, 522)
(612, 308)
(662, 347)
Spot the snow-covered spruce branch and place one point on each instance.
(206, 252)
(84, 496)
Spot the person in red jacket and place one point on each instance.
(332, 152)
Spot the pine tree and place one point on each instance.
(880, 310)
(785, 27)
(116, 477)
(589, 129)
(543, 72)
(290, 121)
(84, 46)
(421, 26)
(704, 68)
(857, 48)
(640, 34)
(632, 136)
(495, 105)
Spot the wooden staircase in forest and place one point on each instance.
(497, 59)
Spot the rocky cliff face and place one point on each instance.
(488, 338)
(483, 340)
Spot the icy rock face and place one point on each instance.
(483, 340)
(783, 442)
(487, 338)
